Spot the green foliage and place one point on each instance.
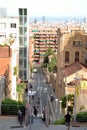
(31, 68)
(10, 101)
(20, 90)
(68, 98)
(15, 70)
(20, 87)
(60, 121)
(46, 60)
(82, 107)
(11, 107)
(52, 66)
(81, 117)
(49, 52)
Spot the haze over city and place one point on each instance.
(73, 8)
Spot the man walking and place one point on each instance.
(68, 119)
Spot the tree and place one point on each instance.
(46, 58)
(52, 66)
(68, 98)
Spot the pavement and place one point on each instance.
(11, 122)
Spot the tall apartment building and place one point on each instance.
(43, 38)
(23, 44)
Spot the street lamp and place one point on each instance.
(40, 93)
(30, 94)
(76, 79)
(47, 111)
(66, 100)
(56, 110)
(60, 108)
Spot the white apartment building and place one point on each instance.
(9, 27)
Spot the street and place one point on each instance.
(41, 87)
(42, 99)
(6, 123)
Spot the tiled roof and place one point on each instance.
(4, 63)
(70, 69)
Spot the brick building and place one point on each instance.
(72, 47)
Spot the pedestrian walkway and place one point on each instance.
(6, 123)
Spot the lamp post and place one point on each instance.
(56, 107)
(60, 108)
(40, 94)
(30, 94)
(76, 79)
(47, 106)
(47, 110)
(66, 100)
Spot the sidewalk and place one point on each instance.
(6, 123)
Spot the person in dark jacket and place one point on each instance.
(35, 110)
(68, 119)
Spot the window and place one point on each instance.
(25, 11)
(23, 52)
(25, 20)
(13, 25)
(21, 20)
(25, 31)
(2, 25)
(25, 41)
(20, 41)
(2, 35)
(21, 11)
(76, 56)
(86, 58)
(77, 43)
(14, 35)
(67, 56)
(86, 45)
(21, 30)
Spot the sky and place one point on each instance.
(74, 8)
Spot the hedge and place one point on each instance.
(11, 107)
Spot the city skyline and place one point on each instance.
(74, 8)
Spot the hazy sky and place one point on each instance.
(48, 7)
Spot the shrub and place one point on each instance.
(60, 122)
(81, 117)
(11, 107)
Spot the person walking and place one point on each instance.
(20, 116)
(68, 119)
(35, 110)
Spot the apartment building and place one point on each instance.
(9, 52)
(43, 38)
(31, 49)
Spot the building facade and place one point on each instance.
(44, 38)
(23, 44)
(9, 37)
(72, 47)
